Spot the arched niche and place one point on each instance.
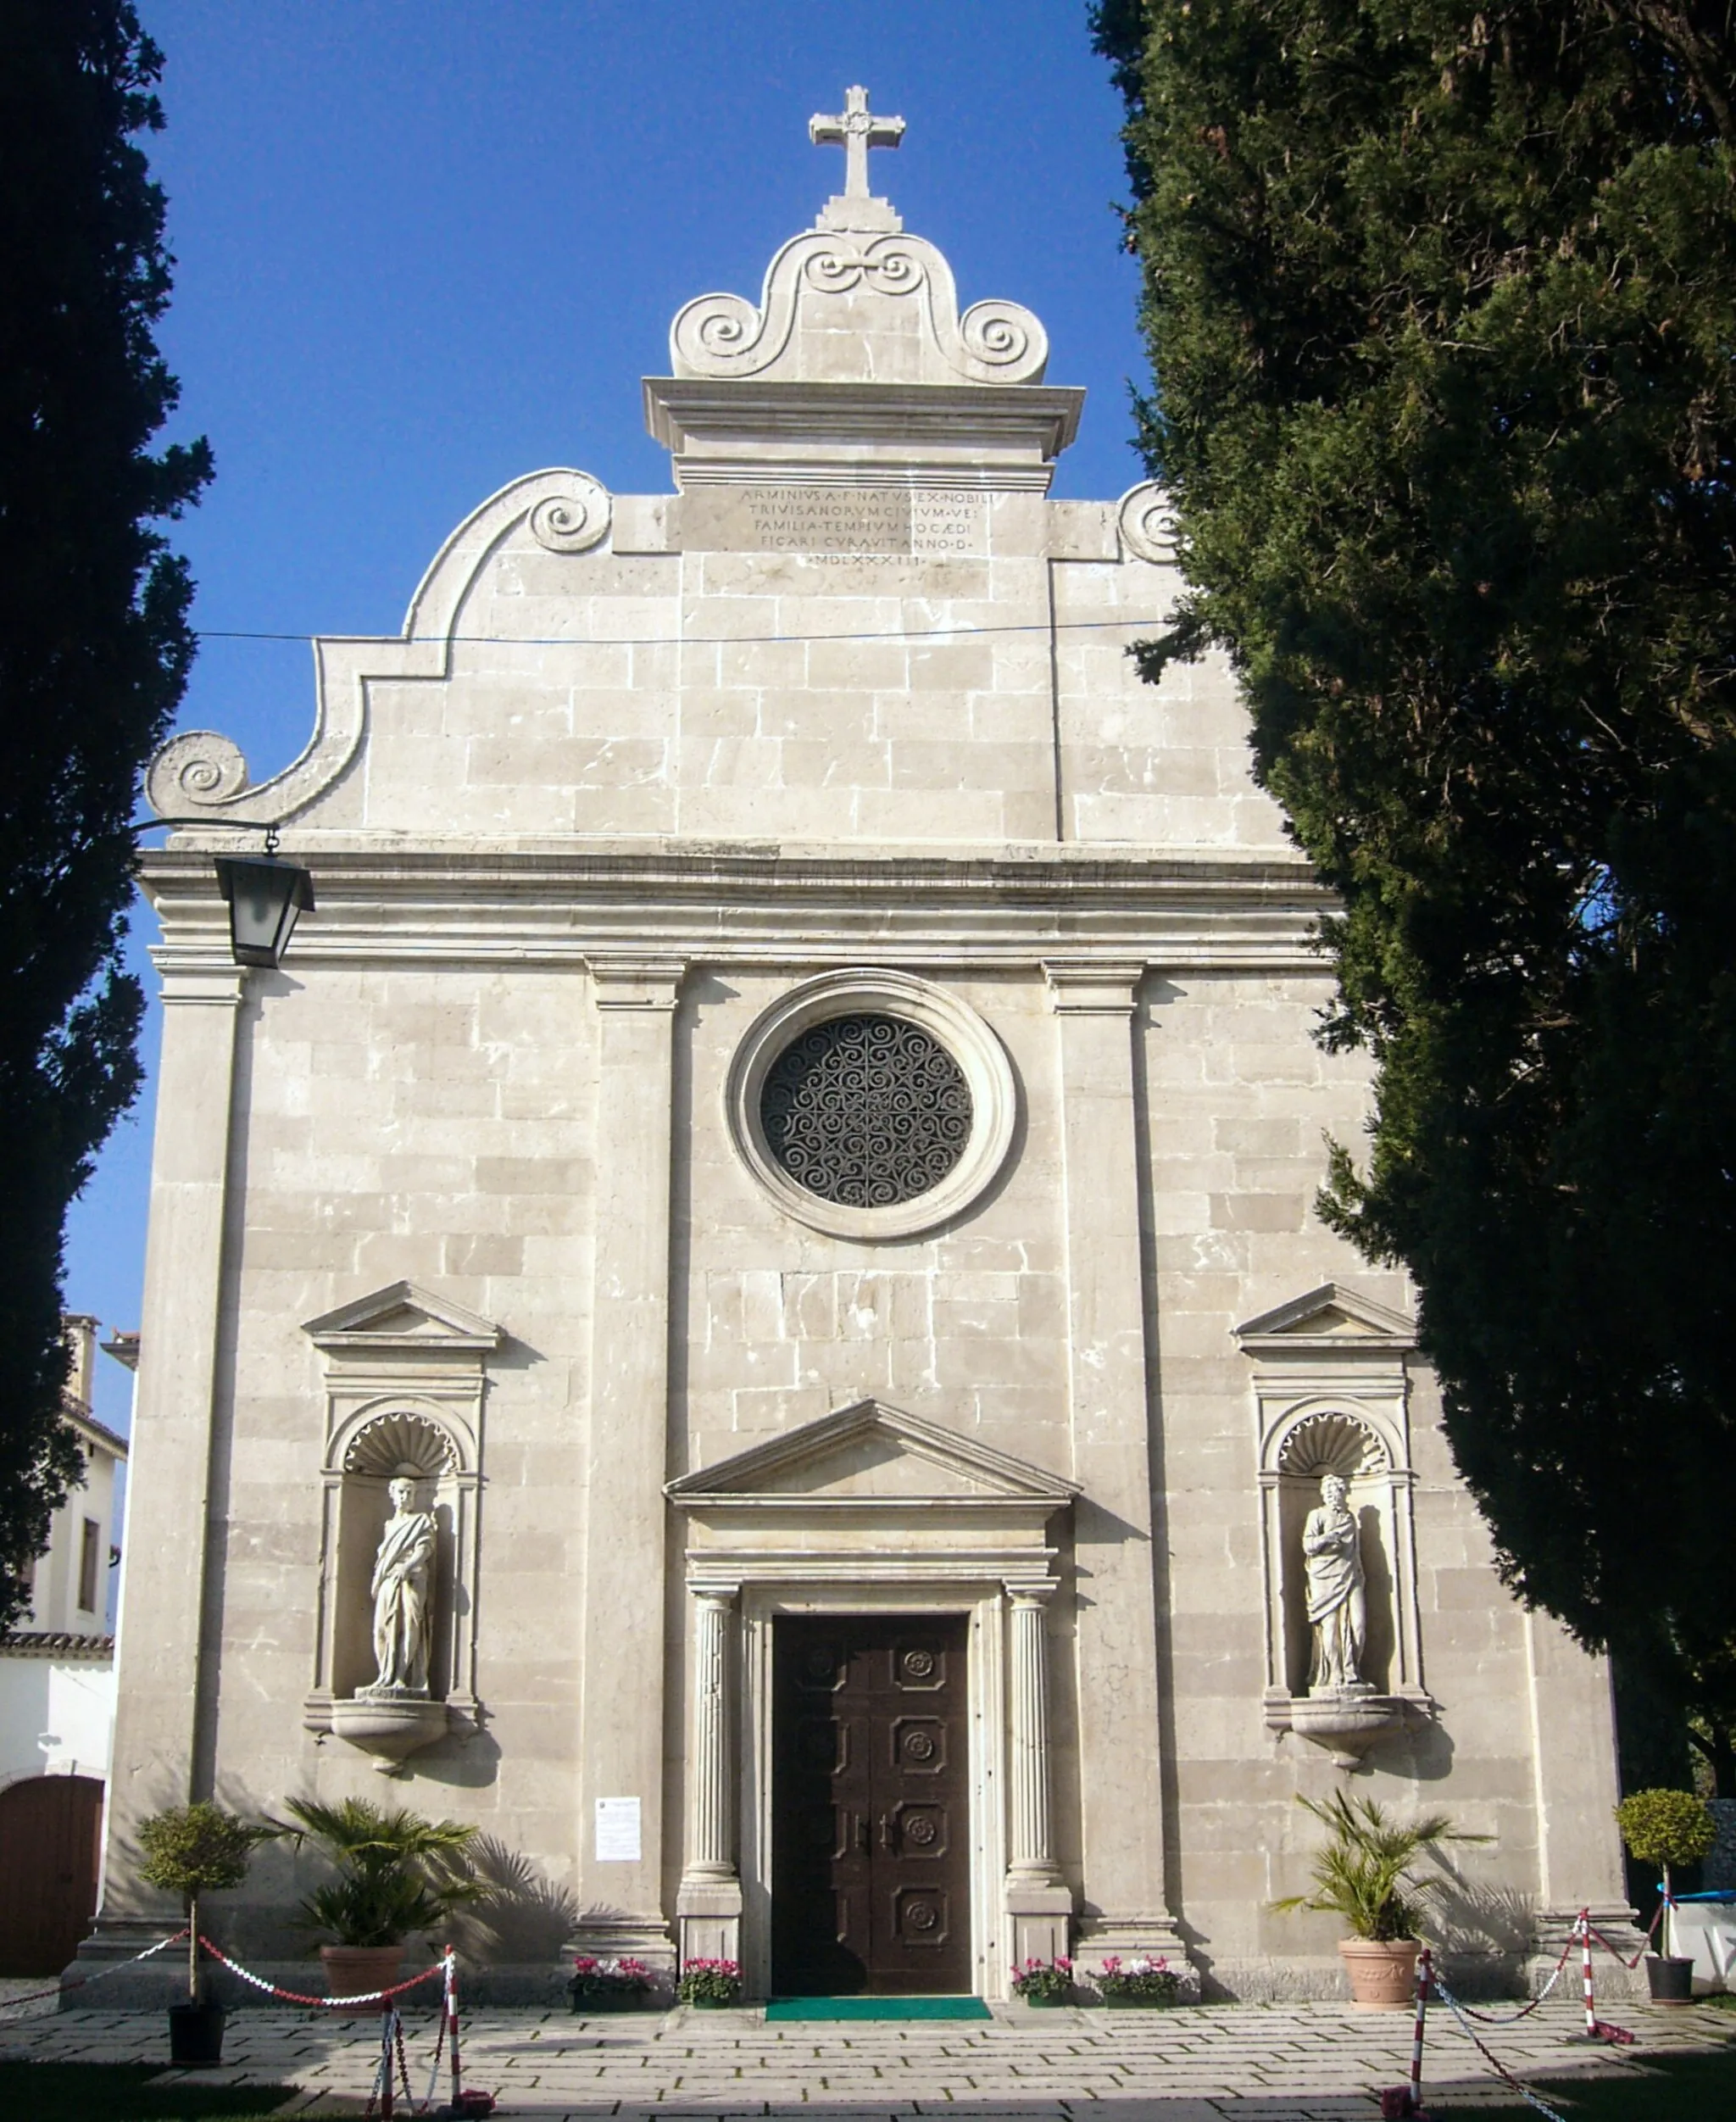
(394, 1441)
(1315, 1442)
(405, 1383)
(1330, 1393)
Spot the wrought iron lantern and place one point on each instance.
(266, 896)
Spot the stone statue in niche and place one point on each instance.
(1338, 1599)
(402, 1594)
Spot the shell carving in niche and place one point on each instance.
(401, 1443)
(1331, 1443)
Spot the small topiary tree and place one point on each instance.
(195, 1849)
(1664, 1828)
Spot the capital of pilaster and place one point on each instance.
(1029, 1595)
(715, 1595)
(206, 986)
(631, 981)
(1088, 987)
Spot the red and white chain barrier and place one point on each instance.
(78, 1981)
(1406, 2100)
(320, 2003)
(1493, 2061)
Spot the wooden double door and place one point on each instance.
(871, 1871)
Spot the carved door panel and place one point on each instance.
(870, 1812)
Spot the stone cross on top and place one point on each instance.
(856, 129)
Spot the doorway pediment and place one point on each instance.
(870, 1495)
(872, 1454)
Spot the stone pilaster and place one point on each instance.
(710, 1904)
(1573, 1758)
(161, 1657)
(1039, 1906)
(620, 1733)
(1120, 1722)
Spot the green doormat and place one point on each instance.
(877, 2007)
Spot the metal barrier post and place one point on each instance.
(386, 2107)
(452, 2026)
(1423, 1970)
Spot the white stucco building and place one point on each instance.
(57, 1700)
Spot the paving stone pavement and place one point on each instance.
(1297, 2063)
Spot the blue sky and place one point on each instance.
(425, 246)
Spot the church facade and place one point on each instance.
(743, 1310)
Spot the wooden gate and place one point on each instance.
(51, 1835)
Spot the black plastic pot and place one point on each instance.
(195, 2034)
(593, 2001)
(1670, 1980)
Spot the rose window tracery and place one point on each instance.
(867, 1111)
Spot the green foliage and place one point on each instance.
(709, 1982)
(1666, 1827)
(199, 1848)
(1364, 1872)
(94, 652)
(191, 1850)
(397, 1873)
(1441, 297)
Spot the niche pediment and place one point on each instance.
(1327, 1318)
(869, 1456)
(388, 1319)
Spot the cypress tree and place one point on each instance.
(1440, 298)
(94, 652)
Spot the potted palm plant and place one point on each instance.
(397, 1873)
(1363, 1874)
(1666, 1828)
(191, 1850)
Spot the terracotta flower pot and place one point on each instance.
(358, 1971)
(1383, 1972)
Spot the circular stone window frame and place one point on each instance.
(981, 1058)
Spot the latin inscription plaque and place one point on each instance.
(834, 522)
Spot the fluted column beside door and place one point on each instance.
(1039, 1907)
(709, 1906)
(1030, 1842)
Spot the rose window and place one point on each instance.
(867, 1111)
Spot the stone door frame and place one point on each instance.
(871, 1510)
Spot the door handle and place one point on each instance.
(885, 1830)
(863, 1841)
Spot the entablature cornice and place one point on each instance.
(748, 907)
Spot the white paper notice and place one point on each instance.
(618, 1831)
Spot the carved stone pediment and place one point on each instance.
(386, 1319)
(870, 1494)
(1327, 1317)
(872, 1455)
